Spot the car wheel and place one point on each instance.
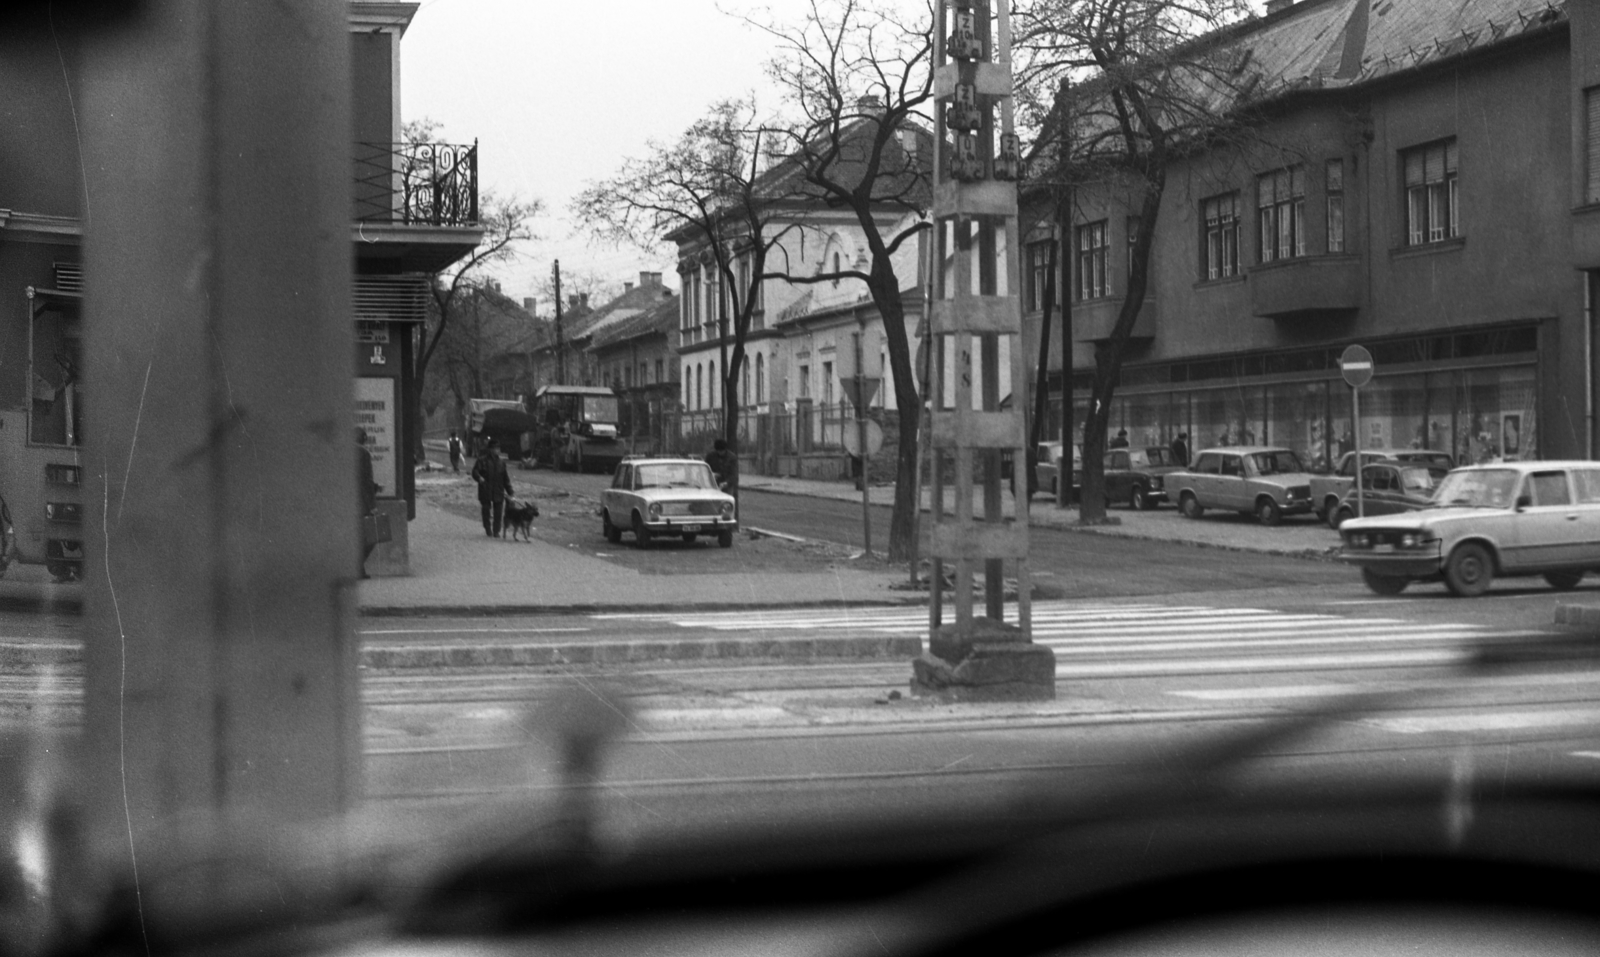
(1383, 584)
(1564, 580)
(613, 533)
(1267, 512)
(725, 538)
(1343, 514)
(1189, 506)
(641, 535)
(1137, 500)
(1469, 571)
(1330, 513)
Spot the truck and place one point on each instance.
(576, 427)
(504, 420)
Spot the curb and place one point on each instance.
(623, 652)
(506, 611)
(1587, 615)
(25, 656)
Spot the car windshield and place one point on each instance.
(1478, 488)
(675, 475)
(1279, 462)
(378, 685)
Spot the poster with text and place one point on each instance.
(375, 407)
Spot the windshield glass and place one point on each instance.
(600, 408)
(1482, 488)
(675, 475)
(1138, 459)
(1420, 479)
(1280, 462)
(1158, 456)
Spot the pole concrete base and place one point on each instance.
(985, 661)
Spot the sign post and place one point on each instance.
(859, 388)
(1356, 365)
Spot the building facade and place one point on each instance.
(1417, 187)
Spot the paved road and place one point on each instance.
(1139, 682)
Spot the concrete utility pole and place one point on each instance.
(223, 530)
(976, 152)
(561, 362)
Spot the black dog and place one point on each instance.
(519, 518)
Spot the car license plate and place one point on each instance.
(691, 528)
(1383, 548)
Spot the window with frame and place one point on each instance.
(1094, 245)
(1038, 274)
(1591, 140)
(55, 390)
(1334, 188)
(1281, 207)
(1432, 193)
(1219, 216)
(805, 382)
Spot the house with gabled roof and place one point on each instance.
(1423, 180)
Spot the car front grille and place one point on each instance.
(691, 508)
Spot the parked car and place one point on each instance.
(1389, 488)
(1046, 472)
(1138, 476)
(1265, 481)
(664, 495)
(1327, 491)
(1508, 518)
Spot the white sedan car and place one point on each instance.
(1508, 518)
(658, 495)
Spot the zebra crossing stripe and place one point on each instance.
(1249, 642)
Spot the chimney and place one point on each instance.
(494, 284)
(647, 279)
(583, 299)
(572, 300)
(869, 103)
(1273, 6)
(528, 302)
(627, 287)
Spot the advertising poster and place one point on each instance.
(375, 412)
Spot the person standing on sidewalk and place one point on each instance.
(494, 484)
(1180, 449)
(368, 486)
(455, 451)
(725, 465)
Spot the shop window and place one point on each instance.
(1432, 193)
(55, 394)
(1591, 156)
(1281, 208)
(1334, 181)
(1093, 248)
(1219, 217)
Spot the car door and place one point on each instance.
(1231, 491)
(1549, 530)
(1380, 487)
(1117, 475)
(1202, 478)
(1586, 492)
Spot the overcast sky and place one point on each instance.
(558, 94)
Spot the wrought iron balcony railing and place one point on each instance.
(422, 184)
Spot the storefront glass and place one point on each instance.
(1297, 419)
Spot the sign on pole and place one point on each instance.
(1356, 366)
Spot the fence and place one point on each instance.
(804, 442)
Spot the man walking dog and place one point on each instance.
(494, 484)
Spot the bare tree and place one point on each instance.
(858, 76)
(1157, 77)
(708, 188)
(506, 222)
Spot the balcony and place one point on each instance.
(416, 205)
(1306, 287)
(1093, 319)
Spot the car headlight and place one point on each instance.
(1358, 540)
(1155, 481)
(655, 510)
(727, 509)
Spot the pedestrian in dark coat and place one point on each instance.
(368, 487)
(1121, 441)
(1180, 449)
(725, 464)
(494, 484)
(455, 451)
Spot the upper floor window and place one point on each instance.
(1219, 216)
(1093, 246)
(1281, 206)
(1334, 180)
(1038, 275)
(1432, 196)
